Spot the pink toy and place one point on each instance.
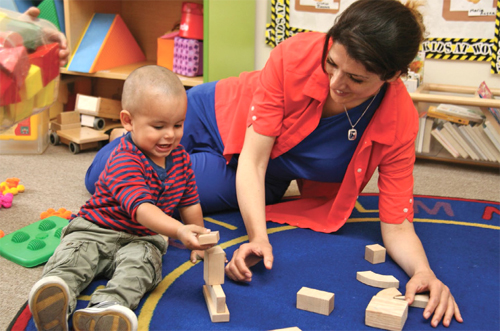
(188, 57)
(6, 200)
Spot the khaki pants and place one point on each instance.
(131, 263)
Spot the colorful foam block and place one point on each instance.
(188, 57)
(47, 95)
(21, 110)
(16, 62)
(165, 50)
(10, 39)
(48, 12)
(47, 58)
(107, 43)
(32, 83)
(9, 92)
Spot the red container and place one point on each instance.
(191, 21)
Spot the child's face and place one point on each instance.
(157, 127)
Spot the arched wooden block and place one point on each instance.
(377, 280)
(389, 293)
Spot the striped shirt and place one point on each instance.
(130, 178)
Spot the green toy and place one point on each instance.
(35, 243)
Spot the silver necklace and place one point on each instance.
(352, 134)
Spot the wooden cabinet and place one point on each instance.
(434, 94)
(229, 28)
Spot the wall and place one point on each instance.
(462, 73)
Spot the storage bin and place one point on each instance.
(29, 136)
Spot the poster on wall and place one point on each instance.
(464, 30)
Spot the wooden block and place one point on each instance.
(54, 126)
(97, 106)
(377, 280)
(213, 266)
(387, 314)
(68, 117)
(209, 238)
(315, 301)
(215, 317)
(218, 297)
(420, 301)
(389, 293)
(375, 253)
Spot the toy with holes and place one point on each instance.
(29, 68)
(61, 212)
(66, 129)
(35, 243)
(11, 185)
(99, 113)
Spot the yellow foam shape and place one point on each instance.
(33, 82)
(47, 95)
(21, 110)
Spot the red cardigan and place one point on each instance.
(285, 100)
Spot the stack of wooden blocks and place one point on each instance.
(213, 274)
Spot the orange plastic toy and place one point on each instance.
(61, 212)
(11, 185)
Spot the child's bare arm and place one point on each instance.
(155, 219)
(193, 215)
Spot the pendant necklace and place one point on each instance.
(352, 134)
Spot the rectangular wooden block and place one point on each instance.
(218, 297)
(213, 266)
(98, 106)
(375, 253)
(68, 117)
(209, 238)
(315, 301)
(215, 317)
(385, 313)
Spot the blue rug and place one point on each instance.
(461, 238)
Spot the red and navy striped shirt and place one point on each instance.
(130, 179)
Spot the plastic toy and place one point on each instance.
(61, 212)
(29, 67)
(34, 244)
(11, 185)
(6, 200)
(2, 234)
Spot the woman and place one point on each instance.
(325, 111)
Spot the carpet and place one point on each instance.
(461, 238)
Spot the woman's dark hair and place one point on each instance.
(383, 35)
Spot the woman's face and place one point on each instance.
(350, 83)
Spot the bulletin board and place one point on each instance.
(466, 30)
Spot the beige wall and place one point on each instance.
(436, 71)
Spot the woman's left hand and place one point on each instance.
(52, 36)
(441, 301)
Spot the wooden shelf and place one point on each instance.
(122, 72)
(429, 94)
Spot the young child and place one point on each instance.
(118, 232)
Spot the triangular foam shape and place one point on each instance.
(107, 43)
(119, 48)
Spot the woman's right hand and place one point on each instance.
(246, 256)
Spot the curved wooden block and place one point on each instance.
(389, 293)
(377, 280)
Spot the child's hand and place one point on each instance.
(187, 234)
(197, 255)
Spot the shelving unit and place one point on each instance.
(229, 27)
(433, 94)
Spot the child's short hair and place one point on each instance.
(148, 82)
